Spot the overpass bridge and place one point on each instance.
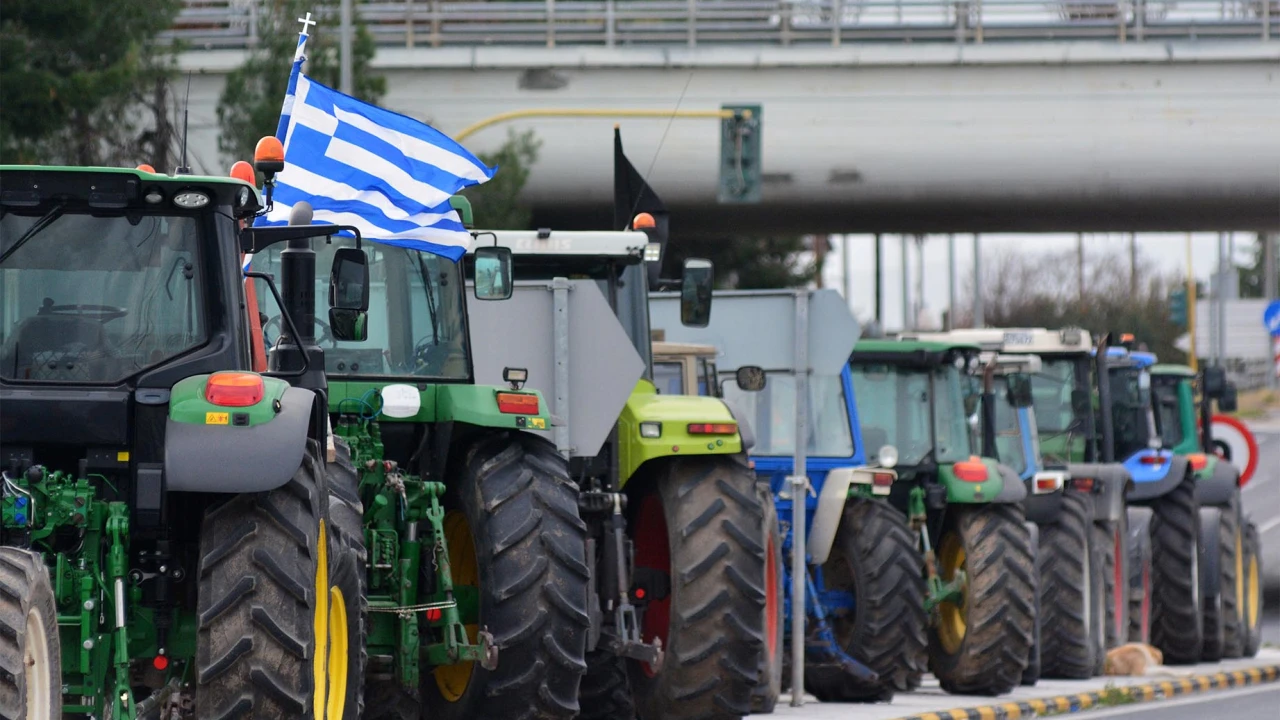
(877, 115)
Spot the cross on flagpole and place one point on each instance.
(307, 21)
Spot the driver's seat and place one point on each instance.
(55, 347)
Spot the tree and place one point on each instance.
(84, 83)
(1031, 291)
(749, 263)
(496, 204)
(1252, 281)
(249, 106)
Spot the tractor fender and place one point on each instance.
(229, 459)
(826, 519)
(1111, 482)
(744, 426)
(1219, 484)
(1147, 491)
(1041, 509)
(1013, 490)
(1210, 572)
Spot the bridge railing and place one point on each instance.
(612, 23)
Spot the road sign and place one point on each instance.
(1271, 317)
(1237, 444)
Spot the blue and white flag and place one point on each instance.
(386, 174)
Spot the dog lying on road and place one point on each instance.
(1137, 660)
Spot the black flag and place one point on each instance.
(632, 196)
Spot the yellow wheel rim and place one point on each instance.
(951, 617)
(1255, 594)
(452, 680)
(337, 655)
(1240, 585)
(319, 665)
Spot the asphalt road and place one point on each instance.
(1253, 703)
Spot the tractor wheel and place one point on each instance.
(273, 630)
(1111, 539)
(30, 652)
(1139, 579)
(1252, 591)
(1067, 584)
(1222, 616)
(1031, 675)
(605, 693)
(1177, 621)
(347, 557)
(701, 526)
(765, 695)
(980, 645)
(518, 536)
(875, 560)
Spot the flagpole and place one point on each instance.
(299, 55)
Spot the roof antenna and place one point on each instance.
(185, 169)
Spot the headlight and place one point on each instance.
(652, 252)
(650, 429)
(190, 199)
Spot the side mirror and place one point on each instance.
(695, 292)
(493, 273)
(1215, 381)
(751, 378)
(349, 280)
(348, 325)
(1227, 400)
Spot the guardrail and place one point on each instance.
(612, 23)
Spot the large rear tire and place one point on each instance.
(1253, 591)
(980, 647)
(30, 651)
(268, 617)
(764, 697)
(875, 560)
(702, 525)
(528, 547)
(1223, 624)
(1139, 520)
(1177, 621)
(1112, 541)
(1067, 584)
(347, 557)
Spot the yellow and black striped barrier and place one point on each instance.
(1114, 695)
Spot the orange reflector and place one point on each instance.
(643, 221)
(971, 470)
(882, 479)
(713, 428)
(243, 171)
(640, 593)
(1083, 484)
(433, 614)
(146, 168)
(234, 389)
(1151, 460)
(1198, 461)
(268, 156)
(1046, 484)
(517, 403)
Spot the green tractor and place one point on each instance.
(673, 521)
(1230, 595)
(918, 396)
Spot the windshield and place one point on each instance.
(96, 299)
(894, 408)
(1130, 410)
(773, 415)
(416, 318)
(1168, 419)
(669, 378)
(1009, 444)
(1051, 394)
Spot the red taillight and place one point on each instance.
(713, 428)
(1046, 484)
(1083, 484)
(234, 389)
(882, 479)
(971, 470)
(517, 403)
(1198, 461)
(160, 662)
(1151, 460)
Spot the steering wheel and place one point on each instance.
(101, 313)
(328, 332)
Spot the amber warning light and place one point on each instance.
(234, 389)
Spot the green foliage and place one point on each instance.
(249, 107)
(1111, 695)
(496, 204)
(748, 263)
(1251, 275)
(1033, 291)
(82, 82)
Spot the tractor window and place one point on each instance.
(415, 317)
(1130, 400)
(98, 298)
(952, 441)
(1051, 394)
(894, 408)
(773, 415)
(1168, 419)
(1009, 441)
(669, 377)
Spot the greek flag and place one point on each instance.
(386, 174)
